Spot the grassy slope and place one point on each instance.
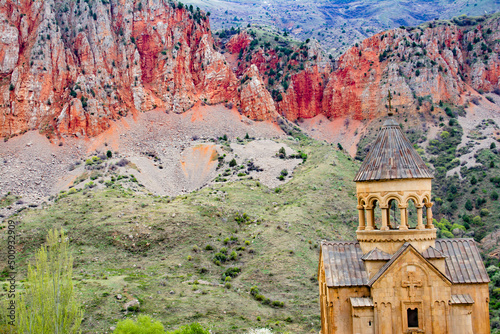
(283, 229)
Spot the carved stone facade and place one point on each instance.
(398, 278)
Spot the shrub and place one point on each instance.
(468, 205)
(494, 195)
(259, 297)
(484, 212)
(277, 303)
(220, 257)
(477, 221)
(144, 325)
(122, 163)
(282, 153)
(109, 154)
(473, 180)
(194, 328)
(447, 234)
(232, 272)
(209, 247)
(232, 163)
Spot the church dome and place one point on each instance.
(392, 157)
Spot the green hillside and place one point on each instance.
(169, 252)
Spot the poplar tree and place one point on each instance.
(48, 305)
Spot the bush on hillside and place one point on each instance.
(143, 325)
(194, 328)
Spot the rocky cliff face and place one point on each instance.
(421, 66)
(256, 101)
(72, 67)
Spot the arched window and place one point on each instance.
(394, 218)
(412, 214)
(377, 213)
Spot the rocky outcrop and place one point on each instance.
(238, 42)
(418, 66)
(304, 97)
(422, 66)
(72, 67)
(256, 101)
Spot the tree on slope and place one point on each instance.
(49, 304)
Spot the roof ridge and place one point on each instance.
(393, 259)
(325, 242)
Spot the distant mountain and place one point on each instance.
(337, 24)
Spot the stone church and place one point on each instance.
(397, 278)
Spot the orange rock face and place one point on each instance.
(304, 97)
(419, 67)
(434, 64)
(72, 67)
(238, 42)
(256, 101)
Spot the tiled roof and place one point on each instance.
(392, 157)
(461, 299)
(376, 255)
(343, 264)
(433, 253)
(361, 302)
(463, 262)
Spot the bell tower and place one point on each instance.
(392, 176)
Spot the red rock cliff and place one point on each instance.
(433, 64)
(436, 62)
(71, 67)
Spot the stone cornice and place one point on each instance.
(396, 235)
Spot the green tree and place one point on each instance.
(232, 163)
(468, 205)
(109, 154)
(49, 304)
(143, 325)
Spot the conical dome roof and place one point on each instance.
(392, 157)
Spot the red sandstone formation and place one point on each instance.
(71, 67)
(420, 66)
(256, 101)
(238, 42)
